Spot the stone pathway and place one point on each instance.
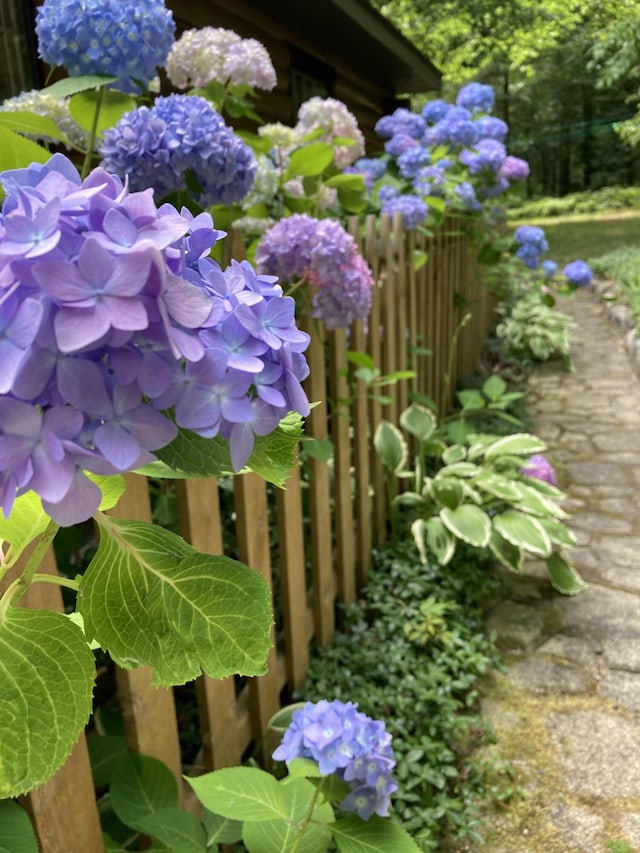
(567, 712)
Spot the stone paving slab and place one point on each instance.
(567, 711)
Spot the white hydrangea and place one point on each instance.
(265, 185)
(335, 119)
(57, 109)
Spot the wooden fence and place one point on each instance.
(324, 523)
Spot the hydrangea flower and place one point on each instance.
(487, 154)
(477, 97)
(349, 744)
(333, 117)
(538, 466)
(128, 39)
(387, 192)
(531, 243)
(490, 127)
(214, 54)
(467, 196)
(412, 160)
(514, 169)
(578, 273)
(411, 207)
(401, 120)
(430, 180)
(399, 143)
(157, 146)
(319, 251)
(549, 268)
(112, 313)
(435, 111)
(57, 109)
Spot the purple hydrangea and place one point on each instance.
(538, 466)
(477, 97)
(578, 273)
(399, 143)
(412, 209)
(116, 326)
(387, 192)
(347, 743)
(435, 111)
(514, 169)
(180, 135)
(488, 154)
(127, 39)
(430, 180)
(401, 121)
(320, 252)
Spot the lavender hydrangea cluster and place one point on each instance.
(578, 273)
(538, 466)
(117, 328)
(411, 208)
(180, 135)
(401, 120)
(349, 744)
(477, 97)
(214, 54)
(531, 243)
(320, 252)
(488, 155)
(335, 120)
(514, 169)
(128, 39)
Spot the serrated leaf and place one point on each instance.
(440, 541)
(419, 421)
(112, 106)
(506, 552)
(519, 444)
(563, 576)
(70, 85)
(390, 446)
(376, 835)
(219, 829)
(17, 833)
(112, 489)
(237, 792)
(16, 152)
(140, 786)
(309, 160)
(178, 830)
(303, 768)
(46, 684)
(150, 598)
(523, 531)
(26, 522)
(468, 523)
(471, 400)
(31, 123)
(104, 753)
(282, 834)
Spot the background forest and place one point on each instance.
(566, 75)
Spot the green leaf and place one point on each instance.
(523, 531)
(70, 85)
(319, 448)
(559, 532)
(220, 830)
(26, 522)
(376, 835)
(280, 835)
(309, 160)
(17, 833)
(178, 830)
(112, 104)
(498, 486)
(31, 123)
(468, 523)
(418, 529)
(361, 359)
(104, 753)
(419, 421)
(390, 446)
(46, 684)
(440, 541)
(520, 444)
(419, 259)
(281, 720)
(508, 554)
(191, 455)
(494, 387)
(488, 254)
(563, 576)
(453, 454)
(447, 491)
(303, 768)
(150, 598)
(241, 792)
(531, 500)
(140, 786)
(112, 488)
(16, 152)
(471, 400)
(352, 182)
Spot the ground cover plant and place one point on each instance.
(622, 266)
(604, 200)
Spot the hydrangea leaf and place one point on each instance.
(25, 121)
(178, 830)
(309, 160)
(46, 684)
(150, 598)
(26, 522)
(190, 455)
(111, 105)
(237, 792)
(112, 489)
(16, 152)
(140, 786)
(376, 835)
(220, 830)
(70, 85)
(281, 834)
(17, 833)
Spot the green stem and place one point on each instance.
(452, 352)
(21, 584)
(86, 166)
(60, 580)
(305, 823)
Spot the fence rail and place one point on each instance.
(320, 529)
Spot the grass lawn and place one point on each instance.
(588, 236)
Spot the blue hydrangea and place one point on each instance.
(578, 273)
(347, 743)
(435, 111)
(467, 196)
(411, 207)
(386, 192)
(180, 135)
(401, 121)
(128, 39)
(116, 325)
(531, 243)
(477, 97)
(490, 127)
(375, 166)
(488, 154)
(399, 143)
(549, 268)
(412, 160)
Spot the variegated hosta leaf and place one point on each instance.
(419, 421)
(518, 444)
(563, 575)
(469, 523)
(391, 446)
(506, 552)
(524, 531)
(440, 541)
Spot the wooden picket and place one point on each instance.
(320, 529)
